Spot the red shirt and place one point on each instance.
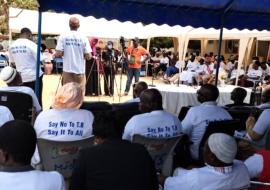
(265, 175)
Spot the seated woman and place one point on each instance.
(65, 121)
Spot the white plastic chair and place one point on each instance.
(161, 150)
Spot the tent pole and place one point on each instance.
(257, 43)
(219, 48)
(226, 9)
(38, 54)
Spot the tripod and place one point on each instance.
(153, 76)
(94, 87)
(122, 68)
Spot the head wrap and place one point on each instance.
(93, 46)
(223, 147)
(68, 96)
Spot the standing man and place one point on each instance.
(135, 53)
(23, 54)
(109, 60)
(75, 49)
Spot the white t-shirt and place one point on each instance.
(234, 73)
(25, 90)
(64, 124)
(200, 68)
(265, 72)
(254, 165)
(252, 73)
(192, 66)
(74, 45)
(208, 71)
(5, 115)
(23, 53)
(262, 126)
(164, 61)
(209, 178)
(157, 123)
(31, 180)
(196, 121)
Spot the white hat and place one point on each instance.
(8, 74)
(223, 147)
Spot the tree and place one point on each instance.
(4, 14)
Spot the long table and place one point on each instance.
(175, 97)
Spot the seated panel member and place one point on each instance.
(189, 73)
(255, 72)
(155, 122)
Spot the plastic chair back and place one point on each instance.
(226, 126)
(61, 155)
(20, 104)
(161, 150)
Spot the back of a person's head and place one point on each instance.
(10, 76)
(18, 139)
(150, 100)
(220, 149)
(68, 96)
(25, 32)
(266, 95)
(74, 23)
(208, 92)
(238, 95)
(104, 126)
(192, 58)
(139, 88)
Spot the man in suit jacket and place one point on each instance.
(113, 163)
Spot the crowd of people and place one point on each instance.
(115, 161)
(197, 70)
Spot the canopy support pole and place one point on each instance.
(38, 54)
(226, 9)
(219, 48)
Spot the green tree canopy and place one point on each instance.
(4, 14)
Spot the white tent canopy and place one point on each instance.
(57, 23)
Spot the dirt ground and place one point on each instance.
(51, 82)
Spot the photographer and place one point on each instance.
(109, 60)
(135, 54)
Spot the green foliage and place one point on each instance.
(159, 42)
(5, 4)
(24, 4)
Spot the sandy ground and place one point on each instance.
(51, 82)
